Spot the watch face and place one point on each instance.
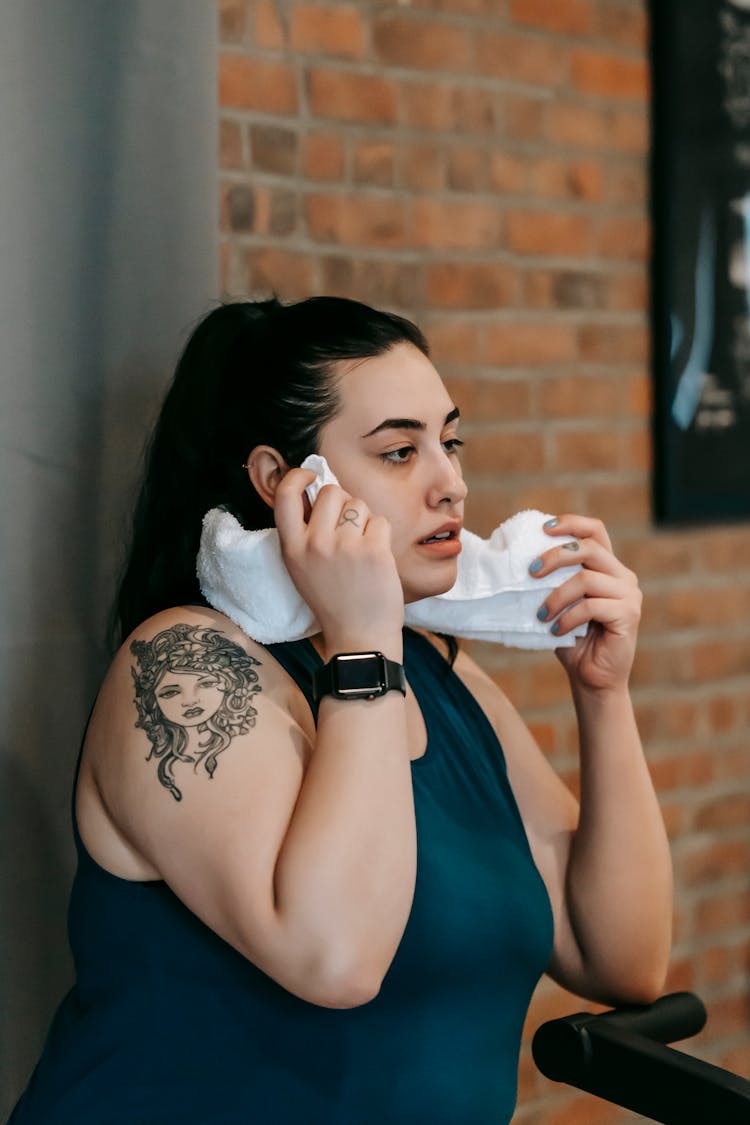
(360, 674)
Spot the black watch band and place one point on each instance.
(358, 675)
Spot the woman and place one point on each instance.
(342, 919)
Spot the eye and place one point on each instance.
(452, 445)
(397, 456)
(168, 693)
(207, 683)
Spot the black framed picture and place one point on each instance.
(701, 262)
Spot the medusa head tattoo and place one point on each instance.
(193, 691)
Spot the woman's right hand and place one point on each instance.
(341, 562)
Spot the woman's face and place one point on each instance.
(391, 444)
(189, 698)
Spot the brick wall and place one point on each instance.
(481, 166)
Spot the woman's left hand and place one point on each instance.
(604, 593)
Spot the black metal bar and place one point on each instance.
(614, 1056)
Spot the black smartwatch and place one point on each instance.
(358, 675)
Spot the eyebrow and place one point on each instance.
(410, 423)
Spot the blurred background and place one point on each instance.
(481, 166)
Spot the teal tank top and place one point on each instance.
(166, 1023)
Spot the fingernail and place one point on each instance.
(555, 628)
(542, 613)
(551, 523)
(536, 566)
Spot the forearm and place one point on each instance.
(619, 877)
(345, 874)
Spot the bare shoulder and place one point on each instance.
(189, 707)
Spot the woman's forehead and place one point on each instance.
(400, 383)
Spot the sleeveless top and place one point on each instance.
(167, 1023)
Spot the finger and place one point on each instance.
(617, 615)
(582, 527)
(352, 517)
(584, 584)
(588, 553)
(289, 507)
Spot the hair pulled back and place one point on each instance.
(252, 373)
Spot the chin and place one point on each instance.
(416, 592)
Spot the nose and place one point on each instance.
(447, 484)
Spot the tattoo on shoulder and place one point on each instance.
(193, 692)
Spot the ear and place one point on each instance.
(266, 468)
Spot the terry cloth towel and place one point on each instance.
(494, 598)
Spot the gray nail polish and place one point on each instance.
(542, 613)
(551, 523)
(536, 566)
(555, 628)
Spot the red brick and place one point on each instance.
(269, 30)
(467, 169)
(374, 163)
(556, 233)
(555, 178)
(323, 157)
(617, 343)
(714, 660)
(501, 451)
(521, 344)
(427, 105)
(238, 208)
(581, 396)
(722, 911)
(422, 167)
(349, 96)
(230, 145)
(574, 17)
(386, 282)
(731, 810)
(453, 341)
(443, 225)
(725, 549)
(327, 29)
(274, 149)
(290, 275)
(702, 606)
(629, 131)
(627, 293)
(660, 554)
(624, 236)
(250, 83)
(588, 450)
(507, 173)
(232, 20)
(522, 58)
(490, 400)
(577, 125)
(564, 289)
(414, 42)
(619, 503)
(711, 862)
(482, 286)
(356, 220)
(627, 184)
(525, 117)
(623, 24)
(607, 75)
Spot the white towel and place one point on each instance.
(494, 598)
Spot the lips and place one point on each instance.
(443, 534)
(192, 712)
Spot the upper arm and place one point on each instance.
(199, 758)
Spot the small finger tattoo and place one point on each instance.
(349, 515)
(574, 545)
